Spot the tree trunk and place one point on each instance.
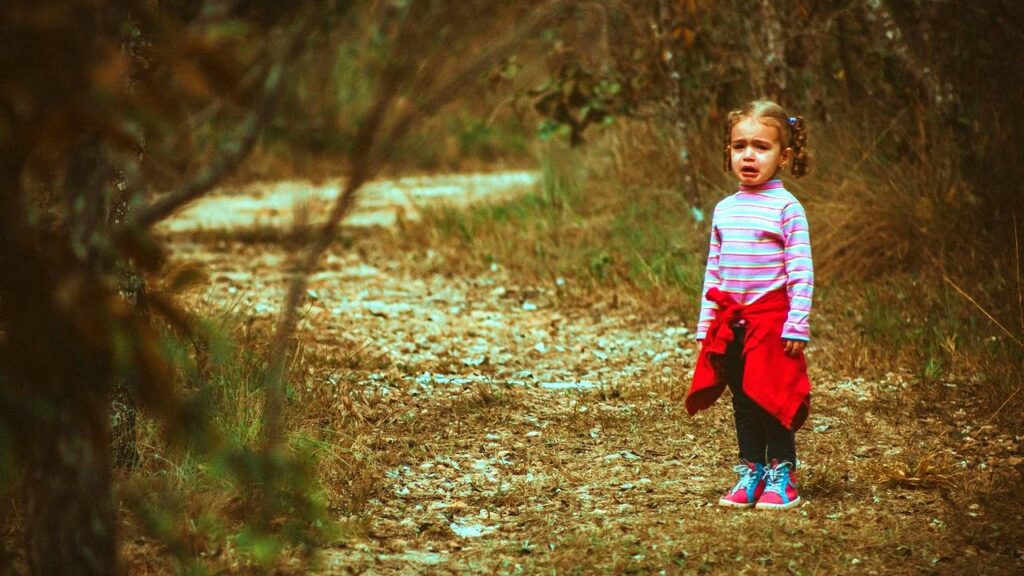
(60, 372)
(65, 442)
(773, 55)
(925, 72)
(69, 512)
(847, 36)
(124, 408)
(669, 20)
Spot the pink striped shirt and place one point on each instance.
(760, 243)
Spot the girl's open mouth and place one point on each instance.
(749, 171)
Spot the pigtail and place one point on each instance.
(801, 162)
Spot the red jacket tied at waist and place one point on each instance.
(774, 380)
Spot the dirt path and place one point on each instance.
(511, 431)
(280, 204)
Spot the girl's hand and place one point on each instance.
(794, 347)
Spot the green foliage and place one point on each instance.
(594, 234)
(599, 265)
(917, 323)
(574, 98)
(489, 141)
(223, 490)
(650, 232)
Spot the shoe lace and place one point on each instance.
(776, 477)
(747, 475)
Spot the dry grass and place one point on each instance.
(637, 153)
(590, 237)
(929, 471)
(887, 217)
(649, 473)
(617, 478)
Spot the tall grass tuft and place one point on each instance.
(884, 214)
(888, 225)
(219, 500)
(594, 232)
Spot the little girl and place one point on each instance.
(757, 298)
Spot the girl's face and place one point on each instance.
(757, 153)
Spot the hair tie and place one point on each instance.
(791, 120)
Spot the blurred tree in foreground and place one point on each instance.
(113, 116)
(102, 102)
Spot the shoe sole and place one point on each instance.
(730, 504)
(791, 504)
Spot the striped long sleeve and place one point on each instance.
(759, 243)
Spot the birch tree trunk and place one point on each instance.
(668, 20)
(773, 52)
(925, 73)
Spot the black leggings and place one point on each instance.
(762, 438)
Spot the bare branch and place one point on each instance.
(236, 151)
(365, 162)
(361, 171)
(498, 51)
(963, 293)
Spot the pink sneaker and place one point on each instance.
(780, 490)
(749, 487)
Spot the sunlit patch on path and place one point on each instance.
(380, 203)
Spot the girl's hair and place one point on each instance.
(792, 130)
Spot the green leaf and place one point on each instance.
(262, 548)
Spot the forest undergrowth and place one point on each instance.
(905, 283)
(417, 432)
